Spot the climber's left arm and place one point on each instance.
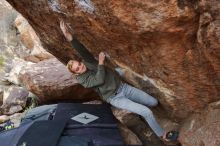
(79, 47)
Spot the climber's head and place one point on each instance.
(76, 67)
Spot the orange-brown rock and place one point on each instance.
(174, 44)
(202, 129)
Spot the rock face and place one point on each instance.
(17, 38)
(174, 44)
(17, 66)
(51, 81)
(31, 42)
(8, 39)
(14, 100)
(3, 118)
(18, 41)
(129, 137)
(202, 129)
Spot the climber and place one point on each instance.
(91, 73)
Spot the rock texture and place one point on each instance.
(17, 38)
(202, 129)
(17, 66)
(16, 119)
(174, 44)
(4, 118)
(31, 42)
(18, 41)
(129, 137)
(8, 39)
(14, 100)
(51, 81)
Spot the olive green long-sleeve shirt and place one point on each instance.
(99, 77)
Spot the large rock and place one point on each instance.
(17, 66)
(174, 43)
(129, 137)
(16, 119)
(8, 39)
(31, 42)
(18, 41)
(51, 81)
(202, 129)
(14, 100)
(4, 118)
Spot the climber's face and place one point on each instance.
(78, 67)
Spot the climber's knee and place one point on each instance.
(154, 102)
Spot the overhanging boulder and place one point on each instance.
(174, 43)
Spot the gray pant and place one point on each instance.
(133, 100)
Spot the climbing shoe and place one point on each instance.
(172, 135)
(171, 138)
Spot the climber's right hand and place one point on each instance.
(66, 31)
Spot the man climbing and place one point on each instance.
(91, 73)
